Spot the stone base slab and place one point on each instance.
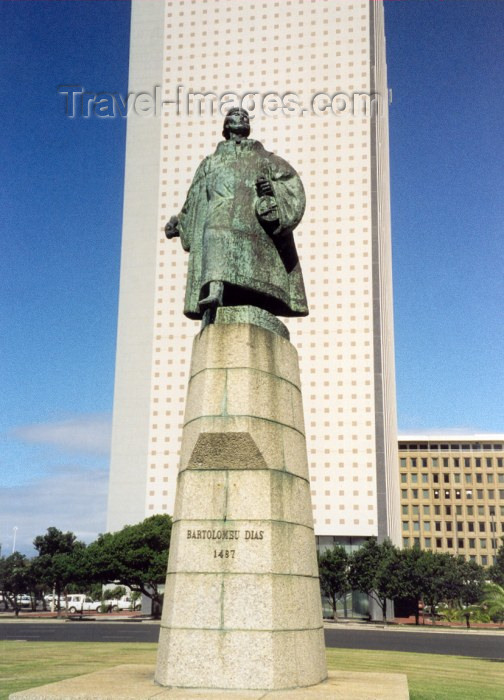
(135, 682)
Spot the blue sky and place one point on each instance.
(60, 213)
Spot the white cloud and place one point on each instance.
(69, 498)
(88, 434)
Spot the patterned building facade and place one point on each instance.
(329, 55)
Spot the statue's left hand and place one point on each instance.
(264, 187)
(171, 228)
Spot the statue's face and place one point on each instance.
(238, 123)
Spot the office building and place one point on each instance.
(326, 59)
(452, 494)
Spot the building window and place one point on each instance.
(404, 478)
(405, 541)
(414, 478)
(448, 526)
(468, 478)
(483, 544)
(425, 478)
(403, 462)
(472, 543)
(435, 462)
(414, 493)
(470, 510)
(426, 525)
(439, 542)
(460, 543)
(427, 542)
(405, 525)
(426, 510)
(484, 560)
(437, 525)
(482, 527)
(470, 526)
(416, 526)
(449, 543)
(460, 526)
(436, 493)
(479, 478)
(435, 478)
(479, 494)
(424, 462)
(446, 478)
(437, 510)
(458, 494)
(448, 510)
(425, 493)
(405, 510)
(447, 493)
(469, 493)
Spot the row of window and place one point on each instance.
(456, 462)
(452, 446)
(469, 478)
(470, 511)
(450, 543)
(448, 494)
(448, 526)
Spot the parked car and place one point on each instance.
(24, 601)
(125, 602)
(78, 602)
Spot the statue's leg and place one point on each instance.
(214, 298)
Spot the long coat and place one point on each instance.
(227, 240)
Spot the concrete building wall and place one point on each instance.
(303, 47)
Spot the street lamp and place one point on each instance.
(14, 533)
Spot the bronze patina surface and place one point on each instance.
(237, 225)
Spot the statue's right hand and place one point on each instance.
(171, 228)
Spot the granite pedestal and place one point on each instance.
(242, 600)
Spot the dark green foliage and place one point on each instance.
(135, 556)
(15, 578)
(333, 572)
(61, 562)
(372, 571)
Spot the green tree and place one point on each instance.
(135, 556)
(496, 572)
(493, 601)
(60, 561)
(371, 570)
(333, 573)
(15, 578)
(404, 569)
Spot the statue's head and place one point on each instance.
(236, 122)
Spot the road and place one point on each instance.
(486, 646)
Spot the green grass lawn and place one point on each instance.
(430, 676)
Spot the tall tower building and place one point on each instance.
(322, 63)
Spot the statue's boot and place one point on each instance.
(215, 297)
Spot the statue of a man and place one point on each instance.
(237, 225)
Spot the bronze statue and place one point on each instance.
(237, 224)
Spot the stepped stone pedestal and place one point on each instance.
(242, 600)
